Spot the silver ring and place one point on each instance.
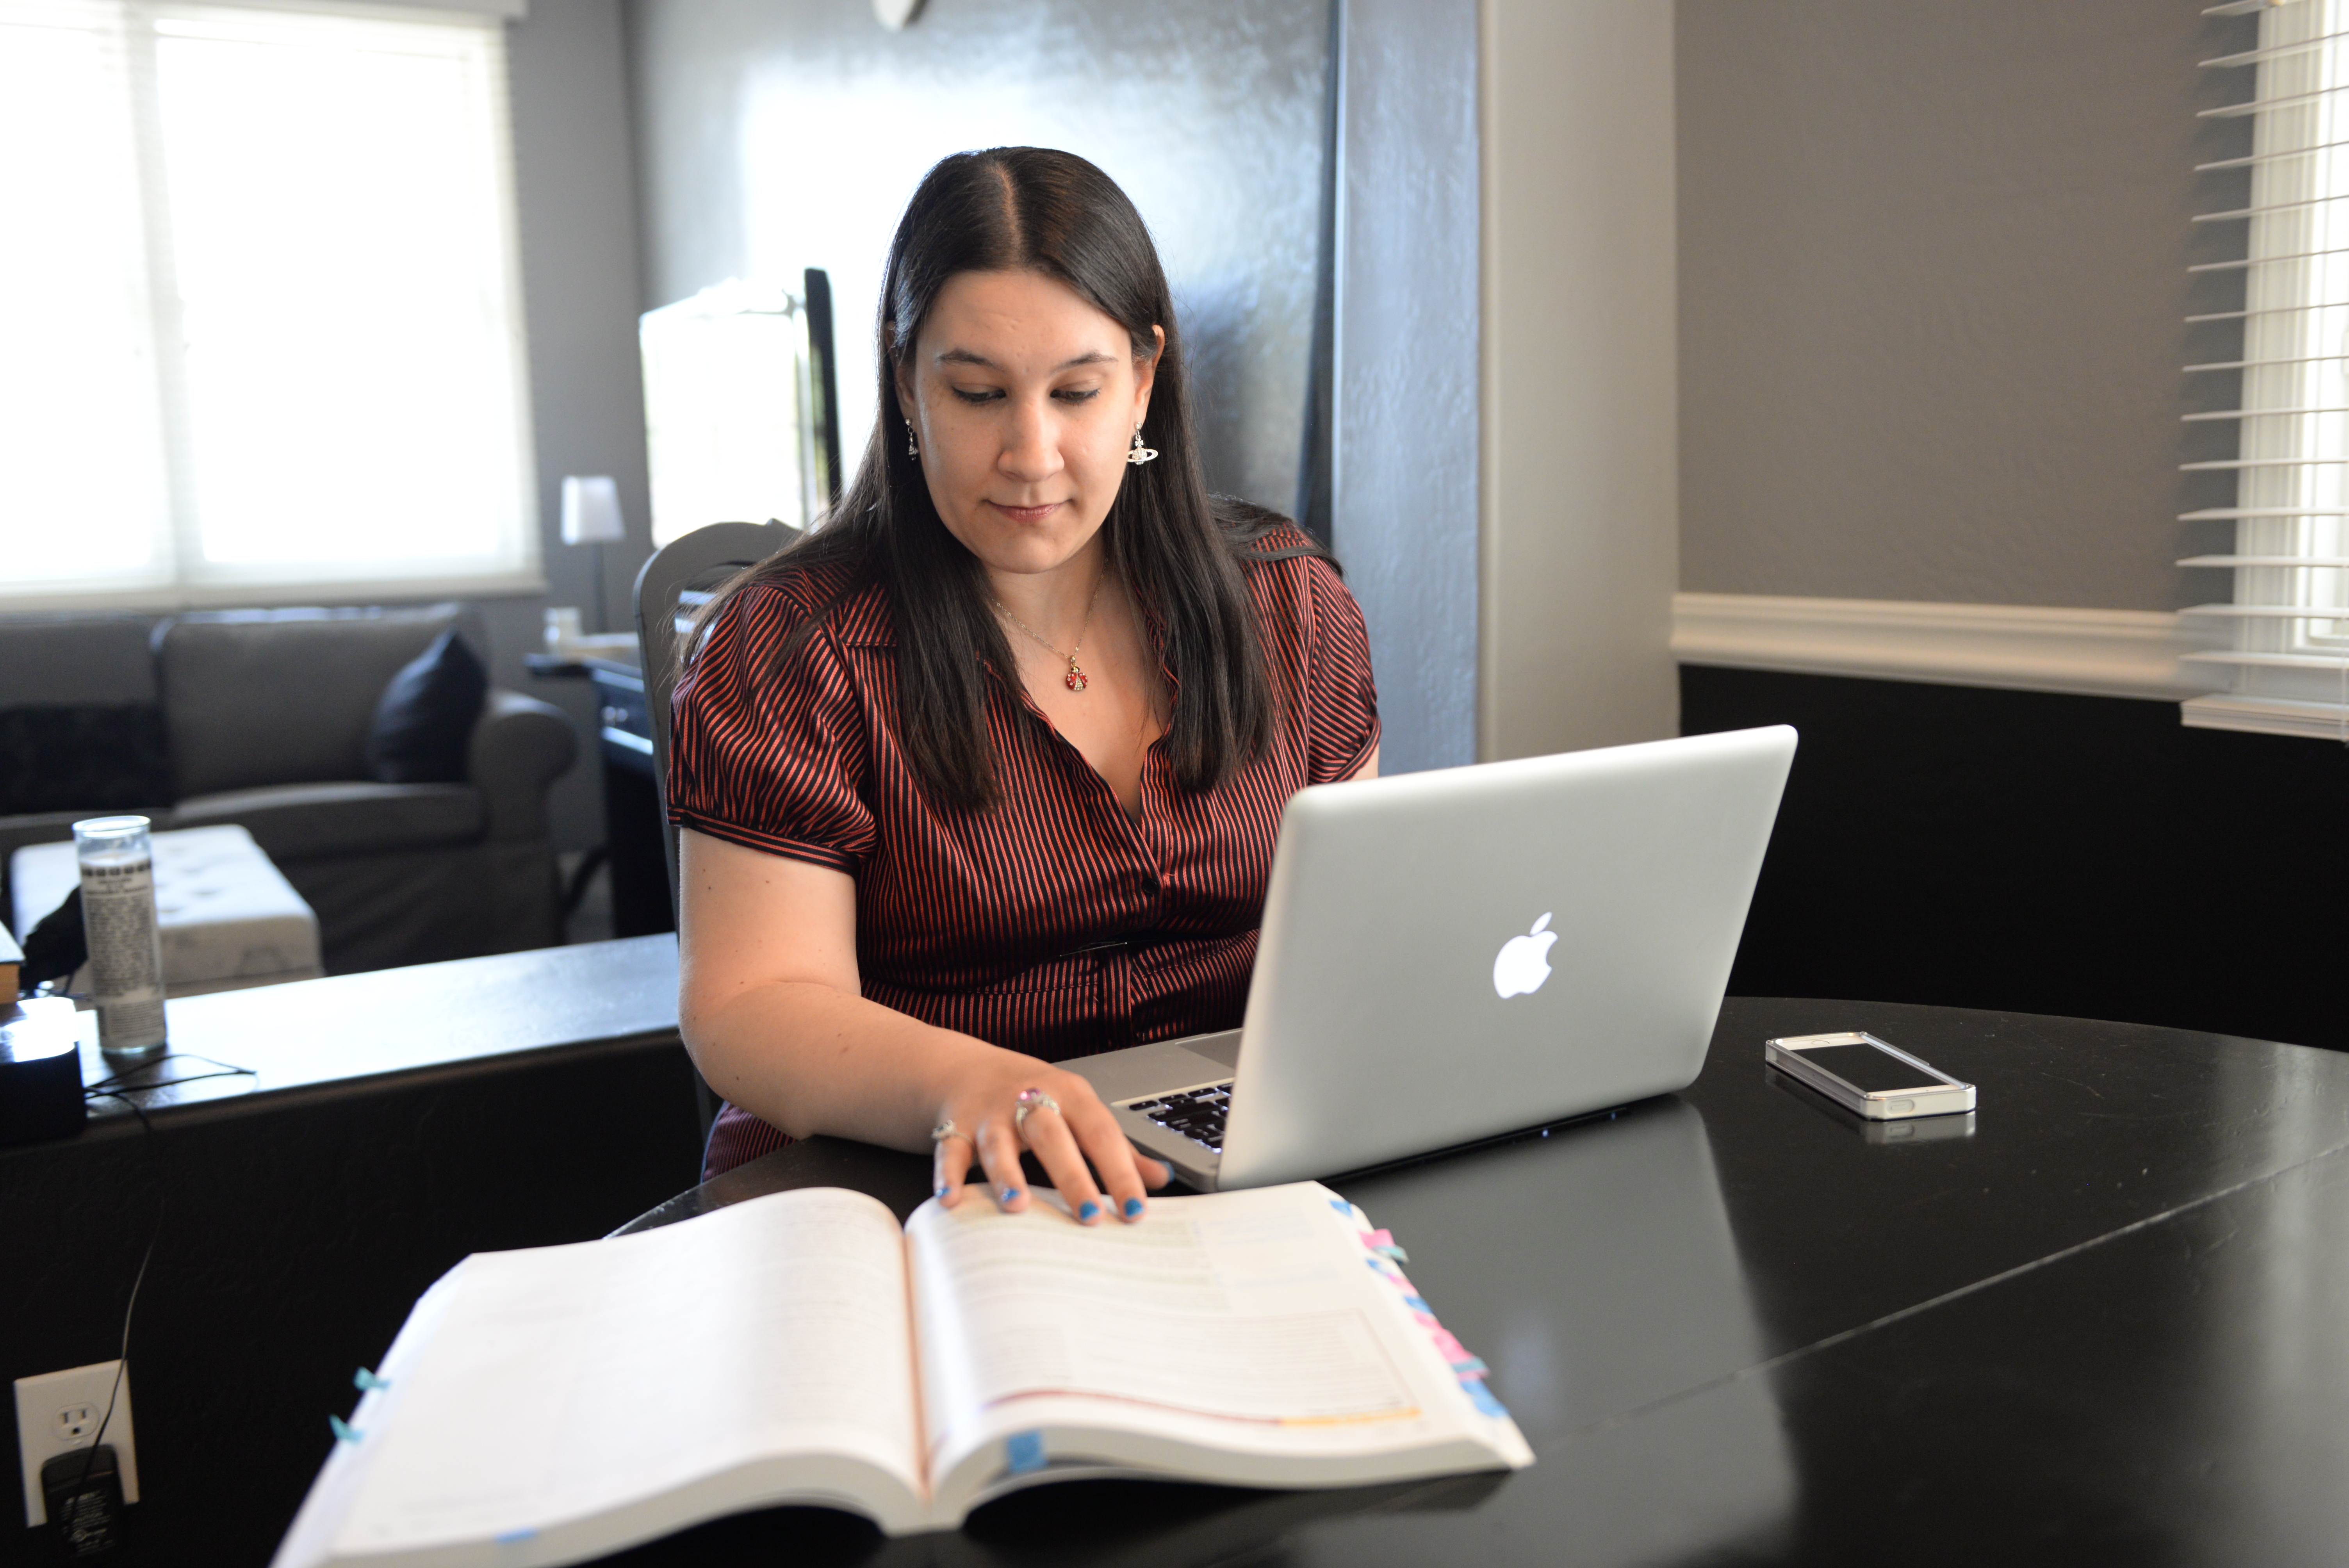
(944, 1130)
(1030, 1099)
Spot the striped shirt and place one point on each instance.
(1053, 923)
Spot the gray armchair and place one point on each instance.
(266, 715)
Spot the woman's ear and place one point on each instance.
(903, 380)
(1145, 374)
(901, 376)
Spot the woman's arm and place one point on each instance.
(772, 1010)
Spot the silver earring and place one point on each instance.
(911, 450)
(1140, 453)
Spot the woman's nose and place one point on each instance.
(1032, 445)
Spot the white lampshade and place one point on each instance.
(591, 509)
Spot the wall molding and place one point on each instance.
(2019, 647)
(2268, 716)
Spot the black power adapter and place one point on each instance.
(84, 1491)
(40, 1071)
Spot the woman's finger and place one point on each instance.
(999, 1151)
(1122, 1171)
(950, 1168)
(1047, 1133)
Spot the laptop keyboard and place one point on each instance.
(1197, 1113)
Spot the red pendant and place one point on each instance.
(1075, 679)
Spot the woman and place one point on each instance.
(984, 774)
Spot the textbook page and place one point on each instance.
(611, 1387)
(1243, 1323)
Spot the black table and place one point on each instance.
(2103, 1319)
(389, 1123)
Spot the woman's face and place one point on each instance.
(1024, 398)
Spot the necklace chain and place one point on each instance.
(1075, 679)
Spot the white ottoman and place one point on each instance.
(230, 918)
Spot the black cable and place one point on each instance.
(108, 1087)
(100, 1090)
(122, 1356)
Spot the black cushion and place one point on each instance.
(425, 715)
(82, 757)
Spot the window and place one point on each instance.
(260, 323)
(2290, 657)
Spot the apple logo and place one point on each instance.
(1524, 963)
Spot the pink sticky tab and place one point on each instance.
(1450, 1348)
(1377, 1239)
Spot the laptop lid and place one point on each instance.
(1453, 954)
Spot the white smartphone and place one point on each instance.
(1869, 1077)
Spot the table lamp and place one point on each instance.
(591, 515)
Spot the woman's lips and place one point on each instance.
(1025, 513)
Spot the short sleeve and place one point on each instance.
(770, 756)
(1342, 702)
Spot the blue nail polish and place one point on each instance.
(1133, 1208)
(1090, 1211)
(1009, 1193)
(940, 1192)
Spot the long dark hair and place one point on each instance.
(1177, 550)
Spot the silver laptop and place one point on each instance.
(1455, 955)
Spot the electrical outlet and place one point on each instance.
(59, 1412)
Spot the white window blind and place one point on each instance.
(2289, 660)
(260, 320)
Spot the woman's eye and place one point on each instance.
(1077, 395)
(983, 395)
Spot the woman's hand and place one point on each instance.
(770, 1006)
(983, 1107)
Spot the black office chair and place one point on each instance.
(677, 581)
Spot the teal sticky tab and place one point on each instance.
(344, 1431)
(1392, 1251)
(364, 1381)
(1025, 1452)
(1482, 1397)
(1472, 1368)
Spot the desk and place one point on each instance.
(393, 1122)
(2107, 1323)
(632, 814)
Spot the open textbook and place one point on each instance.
(559, 1403)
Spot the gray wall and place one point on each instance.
(575, 196)
(777, 134)
(1579, 467)
(1404, 480)
(1932, 262)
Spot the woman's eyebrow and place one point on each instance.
(965, 357)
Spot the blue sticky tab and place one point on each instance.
(1342, 1207)
(343, 1430)
(1482, 1397)
(514, 1537)
(364, 1381)
(1025, 1452)
(1418, 1304)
